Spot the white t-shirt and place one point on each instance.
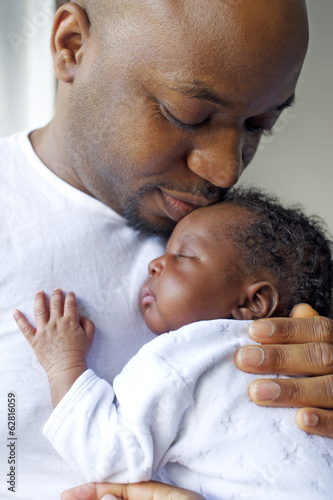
(53, 235)
(182, 410)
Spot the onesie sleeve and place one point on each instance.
(120, 433)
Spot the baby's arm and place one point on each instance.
(61, 342)
(121, 433)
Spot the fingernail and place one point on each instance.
(250, 356)
(266, 391)
(260, 330)
(110, 497)
(310, 419)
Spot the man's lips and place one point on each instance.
(177, 206)
(146, 296)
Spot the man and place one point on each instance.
(161, 105)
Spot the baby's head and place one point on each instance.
(245, 258)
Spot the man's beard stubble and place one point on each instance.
(131, 211)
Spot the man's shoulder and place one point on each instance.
(10, 150)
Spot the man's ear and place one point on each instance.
(70, 30)
(262, 299)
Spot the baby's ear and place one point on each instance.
(262, 299)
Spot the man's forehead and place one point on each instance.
(246, 24)
(195, 39)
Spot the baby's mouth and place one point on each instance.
(147, 296)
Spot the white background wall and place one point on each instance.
(296, 163)
(27, 82)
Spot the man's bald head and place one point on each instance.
(260, 31)
(102, 12)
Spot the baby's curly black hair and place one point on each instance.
(294, 248)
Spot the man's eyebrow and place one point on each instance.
(197, 90)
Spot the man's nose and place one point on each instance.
(156, 266)
(218, 159)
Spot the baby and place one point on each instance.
(179, 411)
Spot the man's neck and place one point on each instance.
(48, 146)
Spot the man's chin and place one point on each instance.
(156, 227)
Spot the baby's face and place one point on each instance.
(197, 278)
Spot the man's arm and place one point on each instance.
(300, 345)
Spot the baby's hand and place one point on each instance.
(61, 342)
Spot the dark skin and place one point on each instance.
(139, 491)
(203, 124)
(198, 278)
(156, 117)
(295, 356)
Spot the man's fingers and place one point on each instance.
(56, 304)
(299, 392)
(292, 330)
(305, 359)
(315, 421)
(87, 492)
(139, 491)
(70, 306)
(40, 309)
(146, 491)
(303, 311)
(24, 325)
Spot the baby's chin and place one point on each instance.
(152, 325)
(154, 328)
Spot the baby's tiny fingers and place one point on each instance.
(70, 306)
(57, 304)
(40, 309)
(24, 325)
(88, 328)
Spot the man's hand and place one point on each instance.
(61, 342)
(300, 345)
(139, 491)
